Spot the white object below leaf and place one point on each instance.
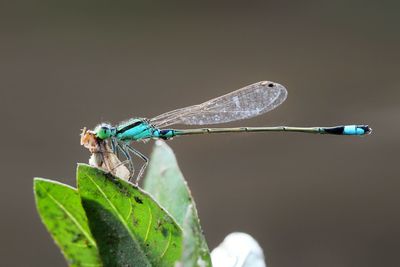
(238, 250)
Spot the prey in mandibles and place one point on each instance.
(102, 156)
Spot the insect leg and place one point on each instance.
(129, 158)
(143, 157)
(115, 165)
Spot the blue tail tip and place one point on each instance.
(357, 130)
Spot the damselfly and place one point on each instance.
(247, 102)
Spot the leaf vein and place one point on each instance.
(73, 219)
(130, 209)
(149, 224)
(168, 245)
(112, 206)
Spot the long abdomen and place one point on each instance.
(336, 130)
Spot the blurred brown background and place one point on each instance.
(309, 200)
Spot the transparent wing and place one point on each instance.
(247, 102)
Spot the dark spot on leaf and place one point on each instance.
(71, 231)
(77, 238)
(135, 221)
(164, 232)
(39, 194)
(109, 176)
(138, 200)
(176, 232)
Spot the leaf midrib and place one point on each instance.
(112, 206)
(73, 219)
(124, 222)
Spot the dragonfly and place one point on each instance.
(248, 102)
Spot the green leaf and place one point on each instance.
(165, 182)
(130, 228)
(60, 209)
(195, 251)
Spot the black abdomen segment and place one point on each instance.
(348, 130)
(334, 130)
(164, 134)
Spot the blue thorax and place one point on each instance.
(139, 129)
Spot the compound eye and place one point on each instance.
(271, 85)
(103, 132)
